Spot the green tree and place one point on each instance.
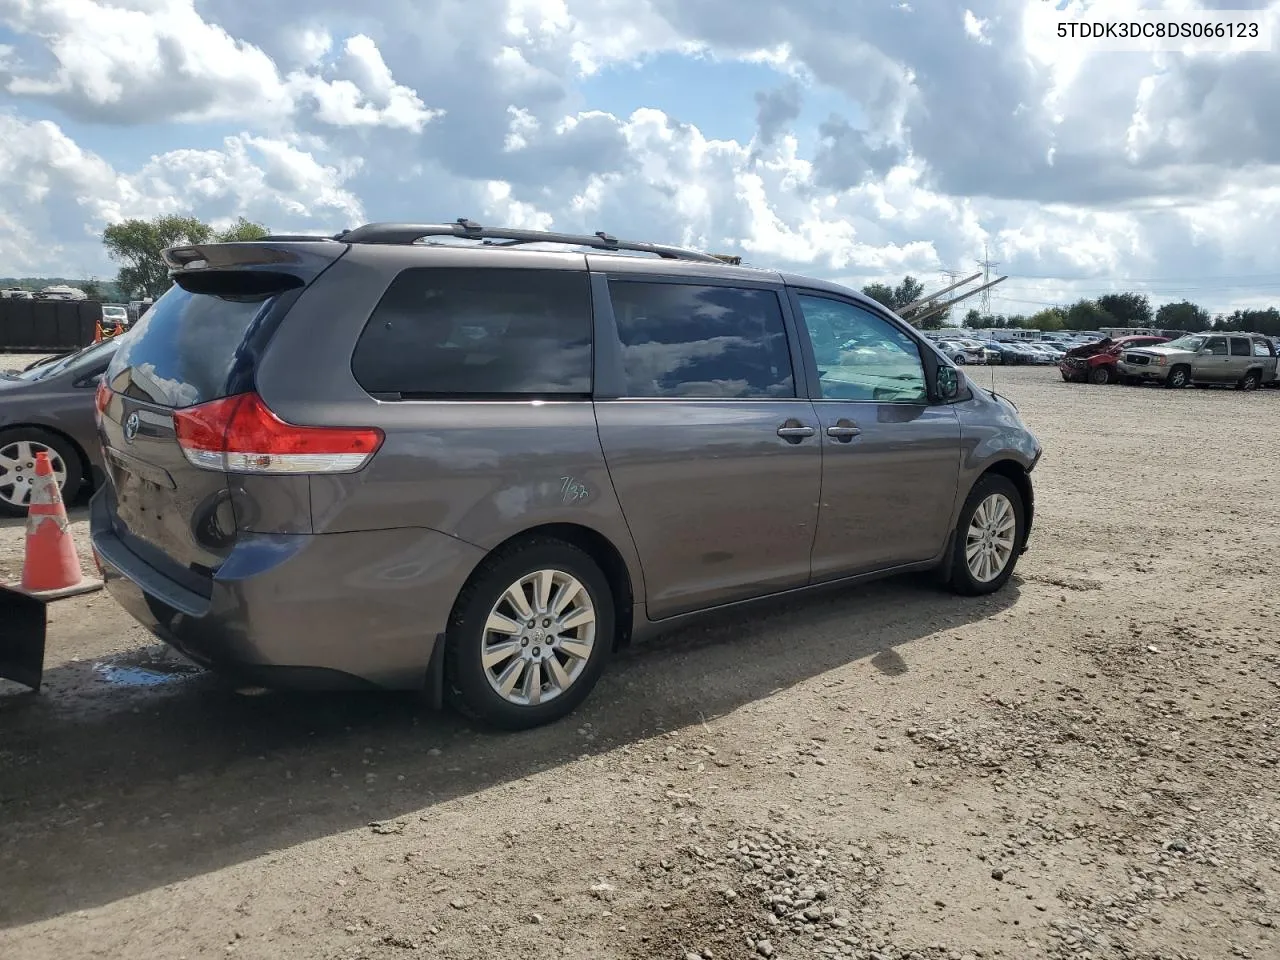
(1128, 309)
(1183, 315)
(240, 231)
(881, 293)
(1087, 315)
(1253, 321)
(137, 244)
(907, 292)
(1051, 318)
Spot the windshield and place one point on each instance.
(82, 360)
(1192, 344)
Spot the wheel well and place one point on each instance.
(602, 551)
(1014, 472)
(86, 469)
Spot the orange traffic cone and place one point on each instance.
(51, 568)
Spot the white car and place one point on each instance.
(958, 352)
(1054, 351)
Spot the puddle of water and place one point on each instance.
(143, 670)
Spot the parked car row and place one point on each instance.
(1243, 360)
(974, 350)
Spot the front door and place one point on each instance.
(1212, 361)
(716, 460)
(891, 459)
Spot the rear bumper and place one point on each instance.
(327, 611)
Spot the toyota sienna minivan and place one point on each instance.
(474, 461)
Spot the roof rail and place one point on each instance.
(405, 233)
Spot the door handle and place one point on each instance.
(793, 431)
(843, 430)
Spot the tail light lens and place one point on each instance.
(241, 435)
(101, 397)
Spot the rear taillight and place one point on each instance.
(241, 435)
(101, 397)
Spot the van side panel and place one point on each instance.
(478, 470)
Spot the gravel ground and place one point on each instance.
(1082, 766)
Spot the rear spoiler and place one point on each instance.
(308, 256)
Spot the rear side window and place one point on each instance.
(476, 332)
(692, 341)
(1240, 347)
(183, 350)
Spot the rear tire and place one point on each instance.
(546, 667)
(983, 525)
(1252, 380)
(1178, 378)
(17, 459)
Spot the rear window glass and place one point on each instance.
(181, 352)
(476, 332)
(692, 341)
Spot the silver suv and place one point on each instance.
(436, 456)
(1243, 360)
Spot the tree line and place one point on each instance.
(1109, 310)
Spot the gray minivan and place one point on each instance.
(444, 456)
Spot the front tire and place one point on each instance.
(18, 449)
(1178, 378)
(530, 635)
(988, 537)
(1100, 375)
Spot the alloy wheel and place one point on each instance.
(538, 637)
(989, 541)
(18, 470)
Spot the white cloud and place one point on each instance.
(148, 61)
(56, 197)
(976, 27)
(367, 97)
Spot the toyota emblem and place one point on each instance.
(131, 427)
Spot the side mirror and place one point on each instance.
(948, 382)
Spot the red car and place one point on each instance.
(1096, 362)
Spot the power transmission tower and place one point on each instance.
(987, 264)
(951, 275)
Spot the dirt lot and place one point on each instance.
(1082, 766)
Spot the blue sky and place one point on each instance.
(718, 97)
(858, 141)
